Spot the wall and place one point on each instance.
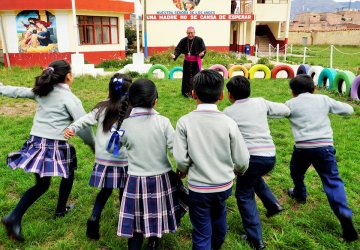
(65, 40)
(167, 33)
(339, 37)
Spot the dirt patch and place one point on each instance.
(18, 109)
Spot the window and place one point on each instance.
(98, 30)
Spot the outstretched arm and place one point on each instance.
(76, 111)
(16, 92)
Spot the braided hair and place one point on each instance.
(117, 105)
(52, 75)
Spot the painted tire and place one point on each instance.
(314, 72)
(158, 66)
(259, 67)
(326, 75)
(303, 69)
(355, 88)
(238, 67)
(342, 77)
(286, 68)
(221, 68)
(173, 70)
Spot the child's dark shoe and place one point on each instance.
(300, 200)
(278, 209)
(153, 243)
(63, 213)
(93, 227)
(13, 228)
(349, 231)
(255, 244)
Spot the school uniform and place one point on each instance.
(46, 152)
(207, 146)
(251, 115)
(150, 204)
(313, 136)
(109, 171)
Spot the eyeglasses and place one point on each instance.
(189, 33)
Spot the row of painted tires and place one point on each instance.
(247, 73)
(344, 82)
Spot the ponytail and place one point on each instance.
(54, 74)
(116, 109)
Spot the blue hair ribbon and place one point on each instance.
(115, 139)
(118, 83)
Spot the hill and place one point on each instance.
(299, 6)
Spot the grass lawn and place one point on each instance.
(309, 226)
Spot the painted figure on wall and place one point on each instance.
(186, 5)
(36, 31)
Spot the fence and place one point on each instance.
(346, 58)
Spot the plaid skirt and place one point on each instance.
(44, 157)
(108, 176)
(152, 205)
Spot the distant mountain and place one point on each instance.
(300, 6)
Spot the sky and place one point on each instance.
(346, 0)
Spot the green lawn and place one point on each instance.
(309, 226)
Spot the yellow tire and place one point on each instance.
(259, 67)
(238, 68)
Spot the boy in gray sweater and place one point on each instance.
(251, 116)
(208, 146)
(314, 146)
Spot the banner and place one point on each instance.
(220, 17)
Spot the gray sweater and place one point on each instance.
(147, 138)
(310, 121)
(251, 117)
(207, 146)
(54, 112)
(102, 156)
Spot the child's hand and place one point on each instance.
(68, 133)
(180, 174)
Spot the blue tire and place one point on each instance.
(173, 70)
(303, 69)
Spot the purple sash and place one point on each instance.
(194, 59)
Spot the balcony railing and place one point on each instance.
(242, 7)
(272, 1)
(246, 6)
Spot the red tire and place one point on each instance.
(290, 72)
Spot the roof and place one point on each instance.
(95, 5)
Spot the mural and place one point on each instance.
(186, 5)
(36, 31)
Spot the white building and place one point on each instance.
(225, 25)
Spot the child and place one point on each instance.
(314, 146)
(46, 153)
(207, 147)
(110, 169)
(251, 114)
(150, 206)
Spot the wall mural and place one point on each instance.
(36, 31)
(186, 5)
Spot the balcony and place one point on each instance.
(241, 6)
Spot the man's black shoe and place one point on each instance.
(255, 244)
(300, 200)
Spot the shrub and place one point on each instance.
(266, 62)
(114, 63)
